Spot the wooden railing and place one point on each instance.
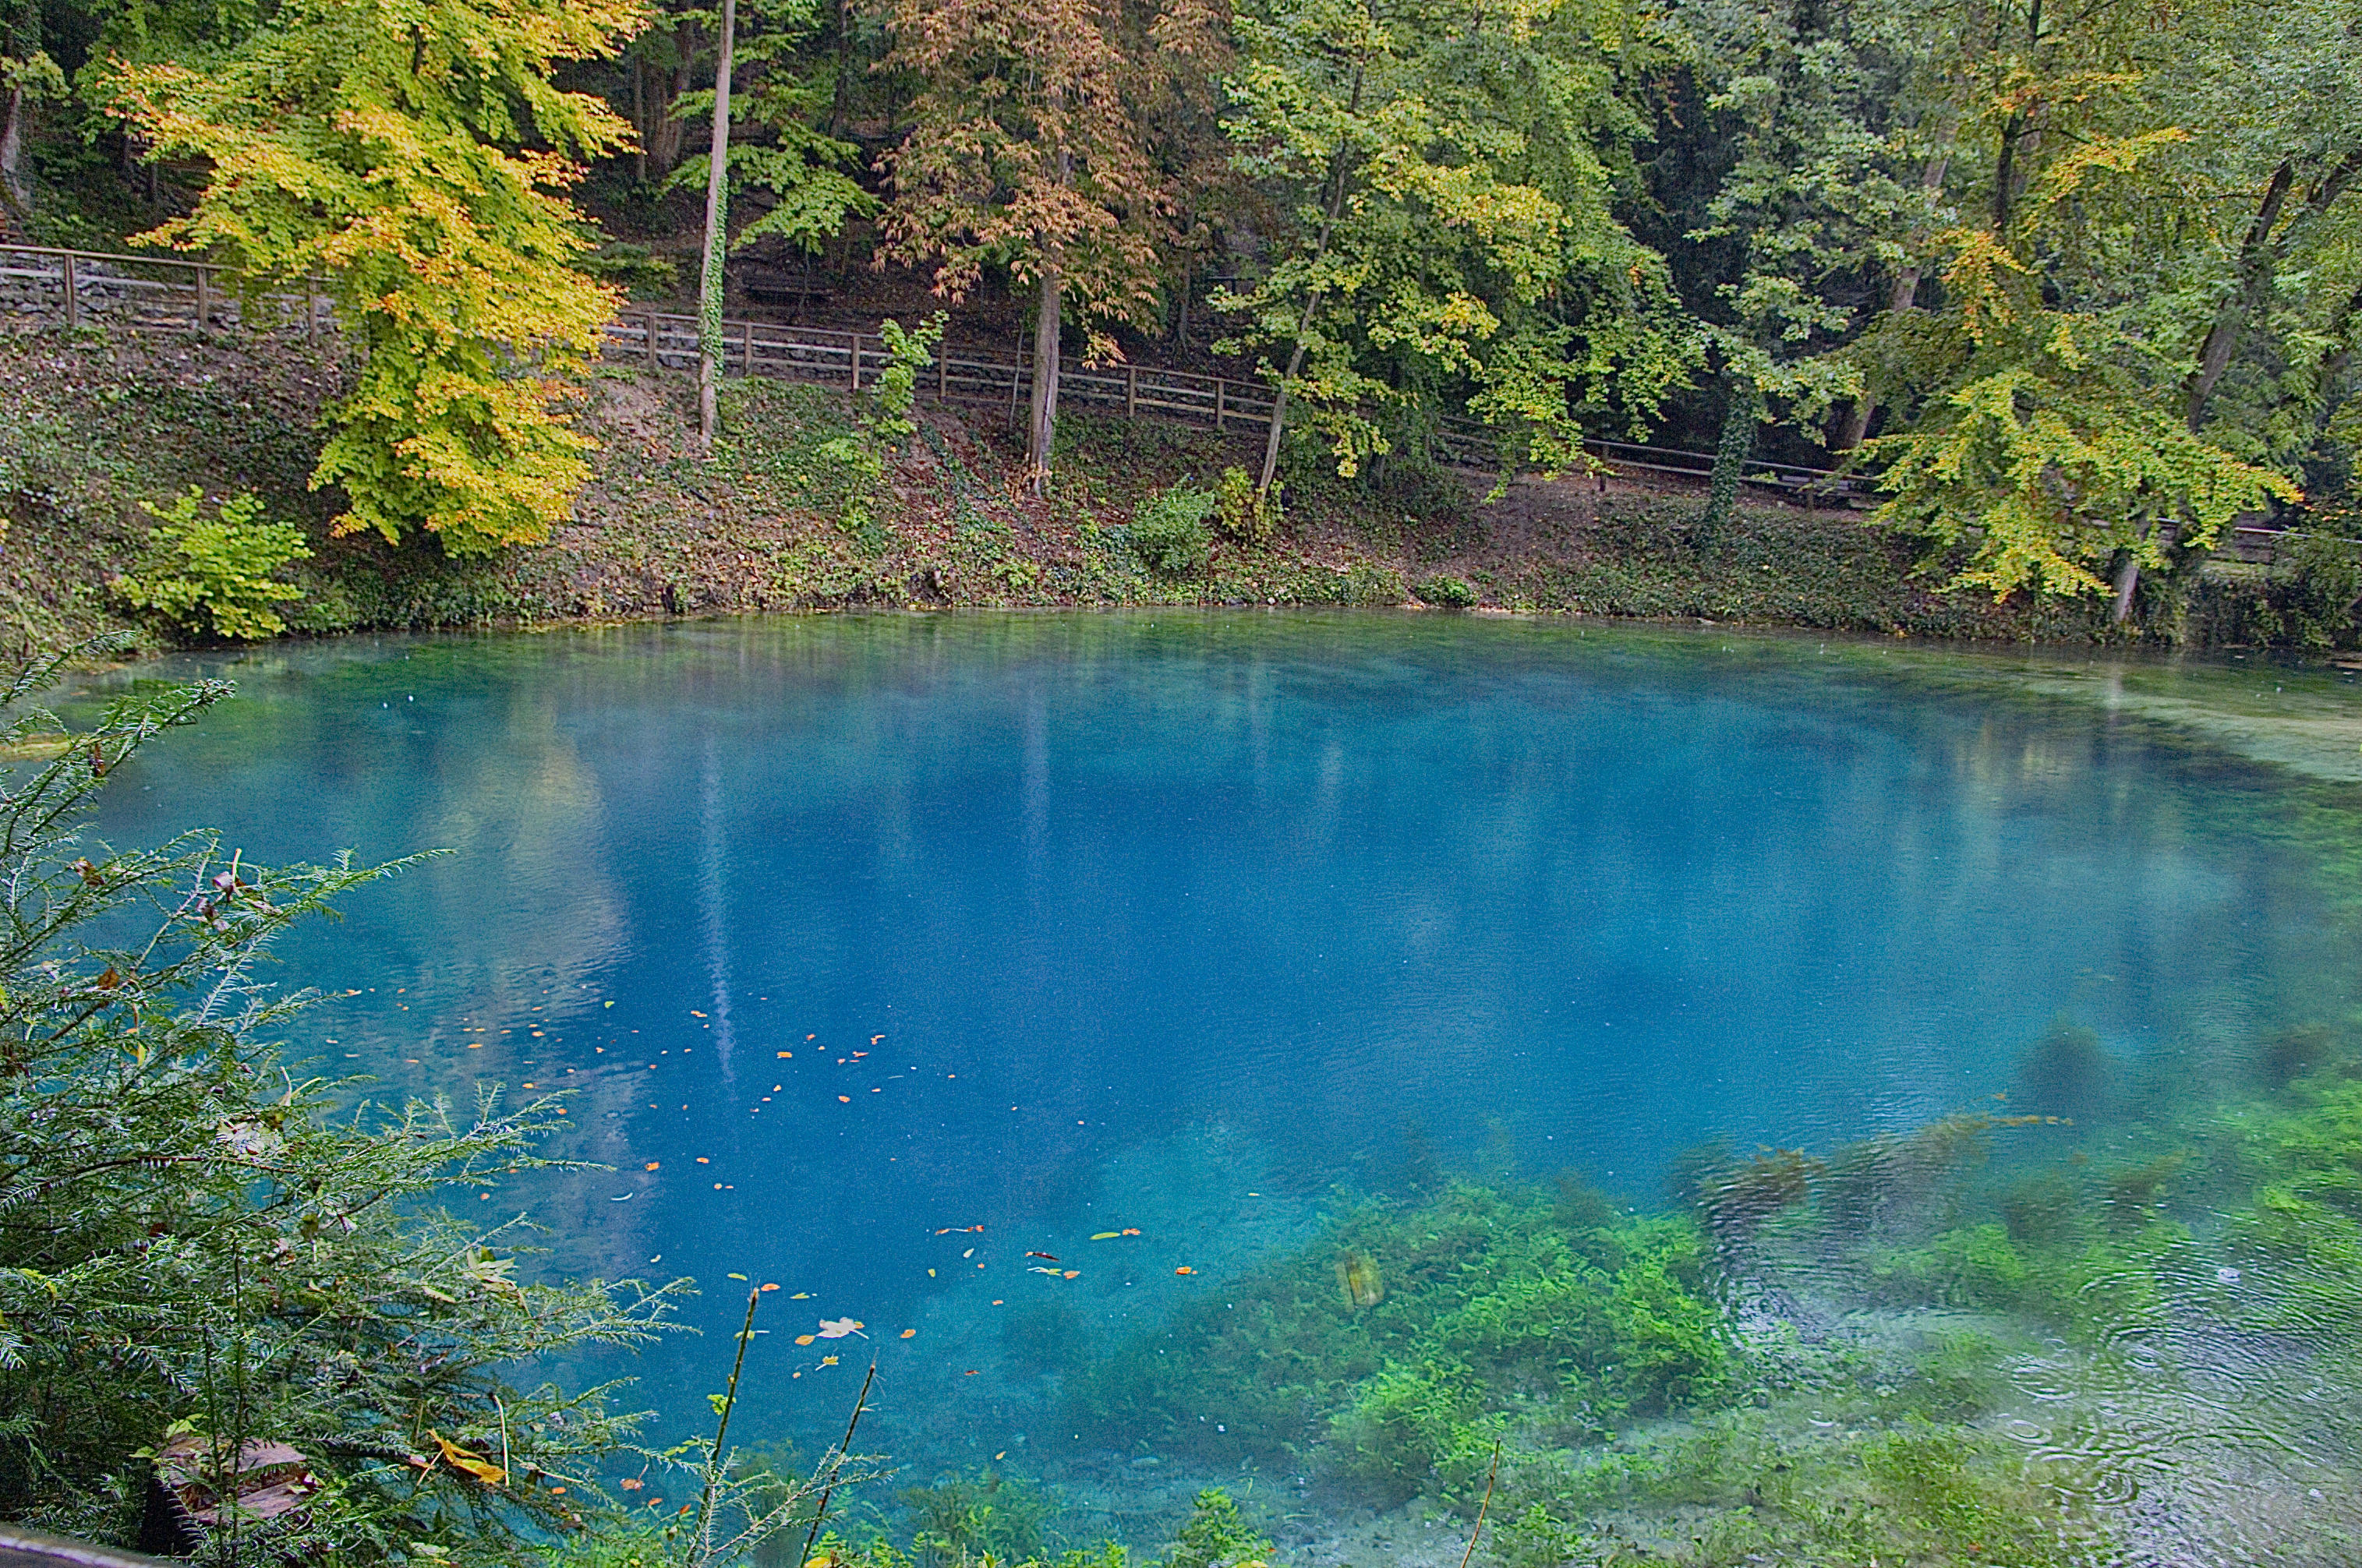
(42, 287)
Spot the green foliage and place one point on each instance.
(2046, 474)
(1445, 592)
(420, 169)
(216, 577)
(1245, 513)
(1486, 1295)
(990, 1514)
(2316, 585)
(1168, 531)
(896, 391)
(1216, 1535)
(209, 1238)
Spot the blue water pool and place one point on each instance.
(880, 956)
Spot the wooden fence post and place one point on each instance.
(942, 371)
(1132, 392)
(74, 292)
(1220, 389)
(1016, 371)
(311, 315)
(855, 358)
(204, 297)
(748, 368)
(649, 316)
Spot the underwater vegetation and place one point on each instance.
(1385, 1351)
(1689, 1386)
(1813, 1358)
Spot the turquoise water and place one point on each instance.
(850, 935)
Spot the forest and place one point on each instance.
(2075, 286)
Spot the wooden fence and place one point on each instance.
(44, 287)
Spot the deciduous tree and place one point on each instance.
(1026, 152)
(415, 156)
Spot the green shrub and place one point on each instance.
(1169, 531)
(1368, 586)
(1245, 515)
(1446, 592)
(214, 576)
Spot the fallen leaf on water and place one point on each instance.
(1185, 1268)
(631, 1483)
(1074, 1274)
(969, 1373)
(969, 1253)
(828, 1361)
(845, 1099)
(740, 1278)
(803, 1339)
(770, 1287)
(875, 1038)
(837, 1328)
(1050, 1257)
(1131, 1229)
(909, 1333)
(695, 1014)
(1037, 1268)
(655, 1164)
(800, 1296)
(1107, 1235)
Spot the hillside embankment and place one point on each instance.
(791, 512)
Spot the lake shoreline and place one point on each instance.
(772, 523)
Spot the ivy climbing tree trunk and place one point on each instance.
(717, 216)
(1730, 454)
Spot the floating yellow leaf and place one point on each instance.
(1107, 1235)
(803, 1339)
(468, 1460)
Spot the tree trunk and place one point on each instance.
(841, 103)
(2127, 580)
(1042, 429)
(16, 194)
(640, 117)
(1730, 454)
(1337, 176)
(1898, 300)
(717, 218)
(2223, 338)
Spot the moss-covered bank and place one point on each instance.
(793, 511)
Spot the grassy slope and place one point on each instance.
(773, 521)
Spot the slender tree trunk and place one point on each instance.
(1042, 431)
(717, 219)
(16, 194)
(1898, 300)
(840, 103)
(2127, 581)
(2223, 338)
(640, 117)
(1739, 419)
(1337, 175)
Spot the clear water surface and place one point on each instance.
(849, 935)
